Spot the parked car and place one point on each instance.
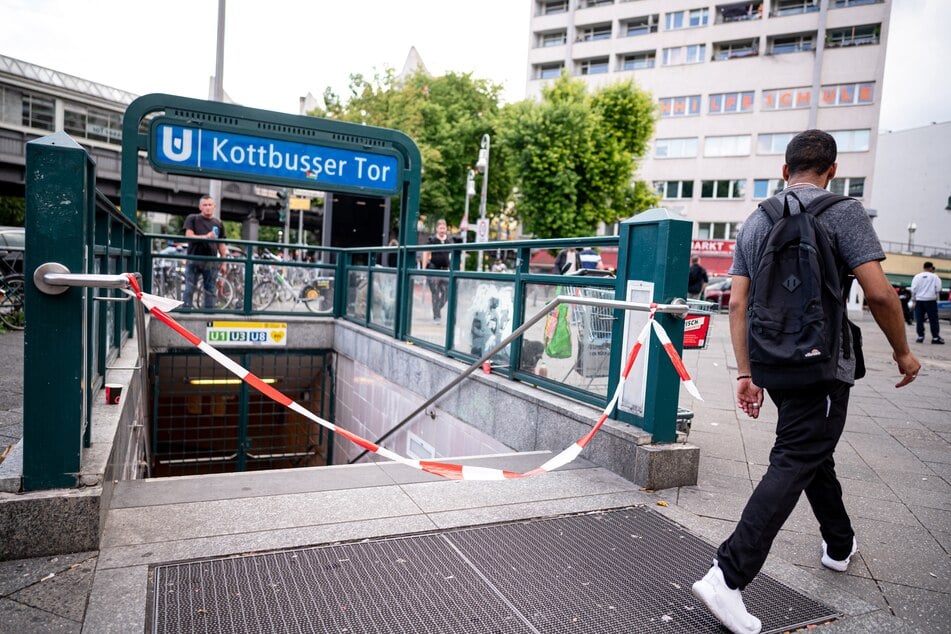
(719, 293)
(12, 244)
(944, 310)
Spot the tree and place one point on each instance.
(446, 116)
(573, 156)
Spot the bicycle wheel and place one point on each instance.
(12, 301)
(263, 295)
(225, 293)
(316, 298)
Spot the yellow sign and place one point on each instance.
(246, 333)
(299, 203)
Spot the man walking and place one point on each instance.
(438, 286)
(810, 421)
(696, 279)
(204, 225)
(926, 289)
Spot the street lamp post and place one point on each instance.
(483, 166)
(464, 225)
(912, 227)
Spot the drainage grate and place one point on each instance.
(626, 570)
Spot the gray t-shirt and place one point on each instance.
(847, 225)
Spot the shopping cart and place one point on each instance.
(594, 325)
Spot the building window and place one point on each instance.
(679, 106)
(792, 7)
(11, 105)
(687, 19)
(587, 4)
(840, 4)
(37, 111)
(847, 95)
(596, 66)
(766, 187)
(739, 11)
(734, 50)
(91, 123)
(735, 145)
(553, 38)
(552, 7)
(717, 230)
(594, 33)
(773, 143)
(852, 140)
(786, 98)
(782, 44)
(549, 71)
(722, 189)
(673, 190)
(693, 54)
(853, 36)
(644, 25)
(638, 61)
(675, 148)
(730, 102)
(854, 187)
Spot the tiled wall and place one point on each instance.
(368, 405)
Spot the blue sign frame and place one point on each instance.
(214, 152)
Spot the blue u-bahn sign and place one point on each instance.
(178, 148)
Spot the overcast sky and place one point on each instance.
(279, 50)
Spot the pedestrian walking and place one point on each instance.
(810, 420)
(926, 289)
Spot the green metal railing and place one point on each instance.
(575, 352)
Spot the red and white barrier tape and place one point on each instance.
(448, 470)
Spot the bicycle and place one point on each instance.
(168, 280)
(12, 301)
(271, 285)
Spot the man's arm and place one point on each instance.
(886, 309)
(748, 396)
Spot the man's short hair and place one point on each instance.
(695, 259)
(928, 266)
(811, 151)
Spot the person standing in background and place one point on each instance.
(204, 225)
(438, 286)
(696, 279)
(926, 289)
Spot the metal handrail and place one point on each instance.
(679, 308)
(54, 278)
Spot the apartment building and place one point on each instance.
(733, 82)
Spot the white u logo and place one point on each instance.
(176, 148)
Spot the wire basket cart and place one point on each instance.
(594, 325)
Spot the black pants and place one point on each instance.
(807, 431)
(930, 308)
(439, 287)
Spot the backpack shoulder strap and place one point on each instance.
(773, 209)
(822, 202)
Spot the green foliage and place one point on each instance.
(12, 211)
(446, 116)
(574, 155)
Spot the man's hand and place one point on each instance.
(749, 397)
(908, 365)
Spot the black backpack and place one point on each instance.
(796, 317)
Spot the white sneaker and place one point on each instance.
(835, 564)
(725, 604)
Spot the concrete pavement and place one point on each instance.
(894, 462)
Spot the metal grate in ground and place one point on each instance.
(625, 570)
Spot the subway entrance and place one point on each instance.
(206, 420)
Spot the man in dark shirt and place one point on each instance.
(438, 286)
(204, 225)
(696, 279)
(809, 421)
